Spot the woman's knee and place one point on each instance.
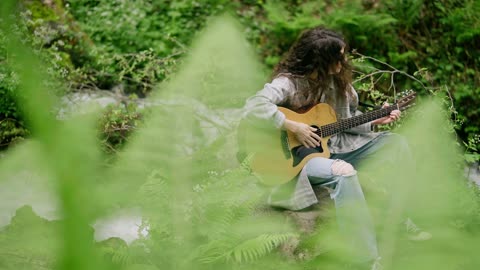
(328, 168)
(319, 167)
(342, 168)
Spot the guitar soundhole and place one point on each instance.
(300, 152)
(318, 130)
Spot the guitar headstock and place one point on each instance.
(407, 100)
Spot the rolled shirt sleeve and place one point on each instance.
(263, 105)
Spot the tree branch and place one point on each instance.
(391, 72)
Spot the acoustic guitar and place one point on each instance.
(274, 154)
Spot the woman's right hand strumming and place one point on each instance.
(305, 134)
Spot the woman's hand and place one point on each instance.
(394, 116)
(305, 134)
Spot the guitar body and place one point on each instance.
(272, 157)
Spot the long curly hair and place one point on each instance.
(317, 49)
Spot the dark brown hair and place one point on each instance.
(317, 49)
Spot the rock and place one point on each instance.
(82, 102)
(25, 216)
(307, 221)
(113, 242)
(31, 240)
(123, 224)
(207, 124)
(22, 189)
(472, 172)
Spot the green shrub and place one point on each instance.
(10, 127)
(45, 30)
(116, 124)
(138, 43)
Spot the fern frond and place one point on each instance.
(155, 189)
(117, 255)
(216, 221)
(253, 249)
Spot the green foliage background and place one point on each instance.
(136, 44)
(209, 219)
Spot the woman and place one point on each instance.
(316, 70)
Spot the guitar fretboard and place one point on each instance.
(344, 124)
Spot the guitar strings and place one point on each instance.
(342, 124)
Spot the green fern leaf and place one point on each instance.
(253, 249)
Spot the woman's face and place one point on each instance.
(335, 68)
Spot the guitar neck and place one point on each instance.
(345, 124)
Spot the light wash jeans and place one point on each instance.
(353, 217)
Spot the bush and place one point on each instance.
(116, 124)
(44, 28)
(138, 43)
(10, 126)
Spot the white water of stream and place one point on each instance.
(26, 188)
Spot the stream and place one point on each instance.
(26, 188)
